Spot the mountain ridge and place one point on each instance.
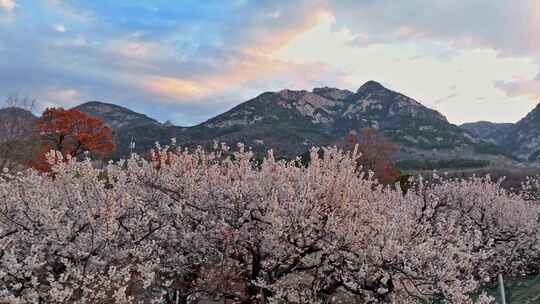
(114, 115)
(291, 121)
(524, 137)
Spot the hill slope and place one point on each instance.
(15, 123)
(524, 138)
(17, 141)
(115, 116)
(521, 140)
(489, 131)
(292, 121)
(127, 126)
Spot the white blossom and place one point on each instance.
(195, 224)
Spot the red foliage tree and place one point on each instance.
(375, 154)
(72, 133)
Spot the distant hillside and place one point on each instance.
(15, 123)
(521, 140)
(291, 121)
(116, 117)
(17, 142)
(127, 126)
(489, 131)
(524, 138)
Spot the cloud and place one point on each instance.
(244, 71)
(7, 5)
(66, 11)
(510, 27)
(271, 74)
(59, 28)
(65, 95)
(529, 88)
(175, 87)
(136, 49)
(193, 70)
(200, 58)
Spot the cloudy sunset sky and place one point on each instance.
(188, 60)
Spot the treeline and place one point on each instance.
(457, 163)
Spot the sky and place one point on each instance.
(189, 60)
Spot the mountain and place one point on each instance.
(128, 126)
(292, 121)
(15, 123)
(520, 140)
(401, 118)
(287, 121)
(524, 138)
(115, 116)
(17, 142)
(489, 131)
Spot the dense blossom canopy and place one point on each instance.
(188, 225)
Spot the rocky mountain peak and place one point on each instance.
(373, 96)
(374, 92)
(371, 87)
(290, 94)
(332, 93)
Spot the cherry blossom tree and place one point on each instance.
(187, 225)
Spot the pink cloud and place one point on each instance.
(242, 73)
(530, 88)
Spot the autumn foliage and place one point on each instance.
(375, 152)
(72, 133)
